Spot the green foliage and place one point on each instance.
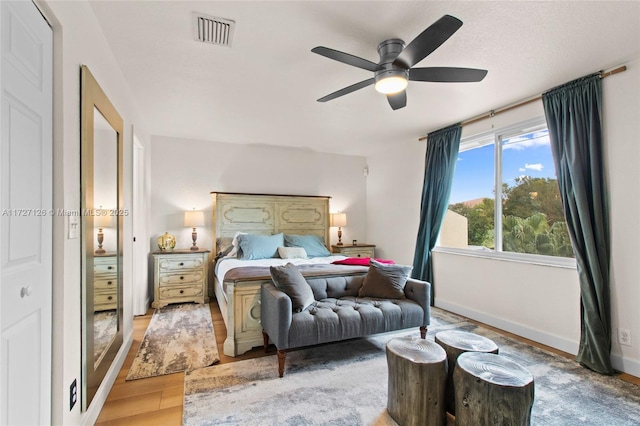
(534, 235)
(480, 220)
(532, 221)
(533, 195)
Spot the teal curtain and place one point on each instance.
(573, 113)
(440, 165)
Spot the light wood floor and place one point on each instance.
(158, 400)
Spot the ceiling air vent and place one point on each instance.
(209, 29)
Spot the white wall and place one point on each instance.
(508, 294)
(184, 173)
(78, 40)
(538, 302)
(621, 106)
(393, 200)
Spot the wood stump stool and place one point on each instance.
(417, 378)
(454, 343)
(490, 389)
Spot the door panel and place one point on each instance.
(25, 214)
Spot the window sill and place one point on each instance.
(557, 262)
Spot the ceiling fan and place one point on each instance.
(392, 73)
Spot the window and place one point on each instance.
(505, 195)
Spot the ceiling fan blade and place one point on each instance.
(347, 90)
(447, 74)
(397, 101)
(346, 58)
(428, 41)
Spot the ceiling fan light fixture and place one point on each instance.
(392, 84)
(397, 60)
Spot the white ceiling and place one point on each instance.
(263, 89)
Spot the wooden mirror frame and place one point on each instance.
(92, 98)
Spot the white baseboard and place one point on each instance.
(619, 363)
(549, 339)
(626, 365)
(92, 413)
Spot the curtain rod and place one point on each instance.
(495, 112)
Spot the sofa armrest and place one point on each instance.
(420, 292)
(275, 315)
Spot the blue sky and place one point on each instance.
(527, 155)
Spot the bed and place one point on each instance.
(237, 282)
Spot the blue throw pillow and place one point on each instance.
(312, 244)
(252, 247)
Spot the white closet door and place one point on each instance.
(140, 241)
(26, 217)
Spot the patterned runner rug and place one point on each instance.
(345, 383)
(179, 338)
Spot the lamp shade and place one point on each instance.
(194, 218)
(338, 219)
(102, 220)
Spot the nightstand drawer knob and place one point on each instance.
(182, 278)
(359, 255)
(181, 263)
(110, 298)
(109, 282)
(109, 267)
(181, 291)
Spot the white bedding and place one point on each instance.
(226, 264)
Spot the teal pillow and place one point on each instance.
(312, 244)
(252, 247)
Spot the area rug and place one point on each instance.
(345, 383)
(179, 338)
(105, 325)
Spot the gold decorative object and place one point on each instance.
(166, 242)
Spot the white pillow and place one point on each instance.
(292, 253)
(234, 243)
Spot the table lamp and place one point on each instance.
(100, 221)
(339, 220)
(193, 219)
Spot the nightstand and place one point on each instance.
(105, 282)
(180, 276)
(360, 250)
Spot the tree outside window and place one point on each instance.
(507, 179)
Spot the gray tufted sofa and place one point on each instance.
(338, 313)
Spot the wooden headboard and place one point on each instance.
(268, 214)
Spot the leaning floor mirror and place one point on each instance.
(101, 205)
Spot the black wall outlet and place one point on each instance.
(73, 394)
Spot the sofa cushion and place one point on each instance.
(385, 281)
(335, 287)
(331, 319)
(289, 279)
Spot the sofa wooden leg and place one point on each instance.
(281, 357)
(423, 332)
(265, 339)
